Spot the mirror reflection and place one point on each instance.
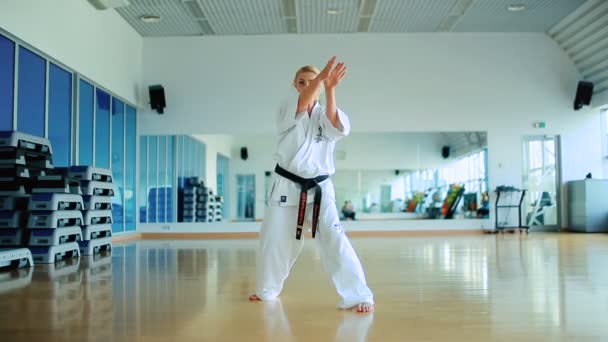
(414, 176)
(379, 175)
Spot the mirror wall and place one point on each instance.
(388, 175)
(413, 176)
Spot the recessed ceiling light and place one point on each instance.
(334, 11)
(516, 7)
(150, 18)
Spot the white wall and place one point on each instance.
(98, 44)
(499, 83)
(600, 99)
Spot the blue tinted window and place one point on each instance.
(162, 179)
(130, 164)
(222, 181)
(197, 158)
(143, 179)
(188, 156)
(102, 130)
(152, 176)
(85, 123)
(31, 95)
(170, 177)
(203, 160)
(118, 139)
(7, 78)
(60, 114)
(180, 161)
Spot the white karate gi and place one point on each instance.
(305, 148)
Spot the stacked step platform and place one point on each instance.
(198, 203)
(23, 158)
(188, 200)
(48, 214)
(209, 206)
(54, 217)
(98, 190)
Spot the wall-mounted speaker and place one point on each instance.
(445, 152)
(157, 98)
(584, 92)
(244, 153)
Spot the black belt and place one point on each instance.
(306, 184)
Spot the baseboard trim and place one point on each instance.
(127, 238)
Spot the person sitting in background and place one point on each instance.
(348, 211)
(484, 208)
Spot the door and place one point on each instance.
(222, 182)
(245, 188)
(541, 179)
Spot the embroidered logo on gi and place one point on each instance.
(320, 136)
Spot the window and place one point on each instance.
(245, 193)
(118, 139)
(102, 130)
(7, 78)
(143, 179)
(130, 165)
(469, 171)
(223, 174)
(31, 93)
(85, 123)
(161, 184)
(604, 121)
(60, 114)
(181, 160)
(188, 157)
(170, 184)
(152, 177)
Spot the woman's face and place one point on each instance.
(303, 80)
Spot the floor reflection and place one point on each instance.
(537, 287)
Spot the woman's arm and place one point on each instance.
(307, 96)
(331, 109)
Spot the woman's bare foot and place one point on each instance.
(363, 307)
(254, 297)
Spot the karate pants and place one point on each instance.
(279, 249)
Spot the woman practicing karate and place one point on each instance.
(303, 192)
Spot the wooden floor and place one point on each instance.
(541, 287)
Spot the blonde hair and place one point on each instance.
(307, 68)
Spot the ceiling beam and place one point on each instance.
(367, 8)
(459, 9)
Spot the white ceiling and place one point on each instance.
(584, 36)
(251, 17)
(580, 27)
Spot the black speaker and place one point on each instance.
(445, 152)
(244, 153)
(157, 98)
(584, 92)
